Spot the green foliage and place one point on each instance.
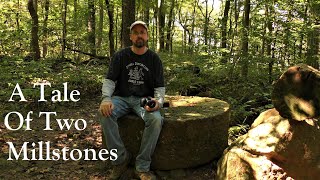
(293, 27)
(247, 97)
(86, 79)
(236, 131)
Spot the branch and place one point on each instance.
(201, 9)
(180, 21)
(212, 8)
(86, 53)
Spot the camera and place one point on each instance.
(147, 101)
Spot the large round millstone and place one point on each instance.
(195, 131)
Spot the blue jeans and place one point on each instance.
(153, 124)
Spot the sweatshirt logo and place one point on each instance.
(136, 75)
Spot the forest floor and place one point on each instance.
(89, 138)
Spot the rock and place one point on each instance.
(195, 132)
(178, 173)
(296, 94)
(274, 148)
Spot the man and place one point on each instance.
(135, 72)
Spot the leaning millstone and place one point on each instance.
(195, 131)
(296, 95)
(274, 148)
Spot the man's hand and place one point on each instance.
(106, 108)
(156, 107)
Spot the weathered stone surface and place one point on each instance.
(274, 148)
(195, 131)
(296, 94)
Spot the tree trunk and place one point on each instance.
(245, 40)
(92, 27)
(155, 29)
(64, 30)
(313, 47)
(128, 17)
(206, 16)
(191, 34)
(45, 29)
(100, 25)
(75, 30)
(234, 30)
(206, 24)
(169, 28)
(116, 29)
(224, 31)
(146, 12)
(35, 50)
(111, 25)
(305, 20)
(161, 24)
(18, 26)
(269, 17)
(296, 93)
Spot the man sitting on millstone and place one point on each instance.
(135, 72)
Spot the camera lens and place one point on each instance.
(147, 101)
(151, 103)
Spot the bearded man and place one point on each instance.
(135, 72)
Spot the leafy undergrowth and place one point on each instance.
(204, 75)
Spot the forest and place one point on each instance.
(231, 50)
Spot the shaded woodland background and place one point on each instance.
(227, 49)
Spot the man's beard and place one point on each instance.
(140, 43)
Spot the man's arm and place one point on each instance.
(108, 88)
(159, 94)
(106, 105)
(159, 89)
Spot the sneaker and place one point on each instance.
(118, 170)
(146, 175)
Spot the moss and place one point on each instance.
(185, 108)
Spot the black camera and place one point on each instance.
(147, 101)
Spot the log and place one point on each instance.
(296, 94)
(195, 132)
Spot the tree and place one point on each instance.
(184, 21)
(170, 27)
(245, 40)
(224, 30)
(314, 34)
(280, 32)
(206, 16)
(75, 25)
(111, 26)
(100, 24)
(34, 44)
(128, 17)
(64, 29)
(18, 25)
(45, 29)
(92, 27)
(146, 12)
(161, 24)
(268, 37)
